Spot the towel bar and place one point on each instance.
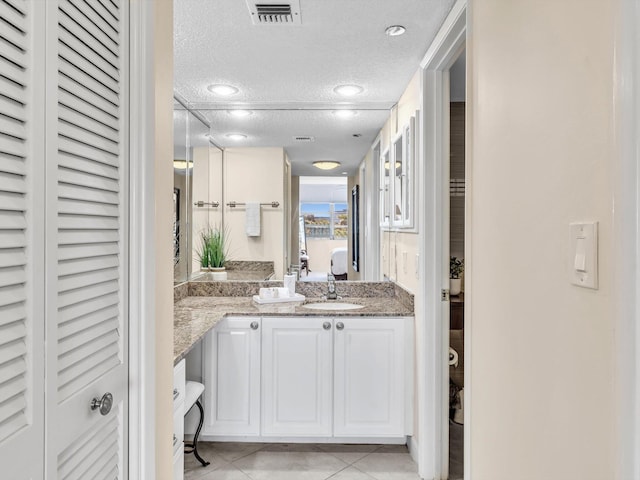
(200, 203)
(237, 204)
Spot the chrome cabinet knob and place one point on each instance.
(254, 325)
(104, 404)
(340, 325)
(326, 325)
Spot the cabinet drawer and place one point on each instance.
(179, 384)
(178, 465)
(178, 428)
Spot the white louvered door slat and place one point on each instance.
(21, 240)
(86, 299)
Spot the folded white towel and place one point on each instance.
(252, 221)
(283, 292)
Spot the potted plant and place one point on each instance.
(213, 252)
(456, 268)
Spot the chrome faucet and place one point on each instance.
(331, 288)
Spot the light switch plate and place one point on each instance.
(583, 264)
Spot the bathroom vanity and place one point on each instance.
(285, 372)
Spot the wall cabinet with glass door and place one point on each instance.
(397, 172)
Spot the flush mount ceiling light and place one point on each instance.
(345, 113)
(222, 89)
(326, 164)
(236, 136)
(182, 164)
(240, 113)
(348, 90)
(395, 30)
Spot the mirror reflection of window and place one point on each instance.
(325, 220)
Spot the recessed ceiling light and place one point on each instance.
(395, 30)
(236, 136)
(326, 164)
(223, 90)
(348, 90)
(345, 113)
(240, 113)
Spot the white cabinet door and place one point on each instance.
(297, 376)
(21, 240)
(86, 257)
(232, 378)
(369, 377)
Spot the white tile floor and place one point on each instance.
(259, 461)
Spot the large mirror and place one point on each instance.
(197, 182)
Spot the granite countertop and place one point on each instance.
(195, 316)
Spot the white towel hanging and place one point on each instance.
(252, 221)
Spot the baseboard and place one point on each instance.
(258, 439)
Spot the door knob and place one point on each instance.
(254, 325)
(339, 325)
(104, 404)
(326, 325)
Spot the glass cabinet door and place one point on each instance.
(385, 190)
(398, 167)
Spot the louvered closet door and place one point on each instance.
(21, 247)
(87, 203)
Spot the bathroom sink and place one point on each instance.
(332, 306)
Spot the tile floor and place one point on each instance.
(260, 461)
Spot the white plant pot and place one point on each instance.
(454, 286)
(218, 274)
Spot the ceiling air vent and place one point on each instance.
(303, 138)
(274, 12)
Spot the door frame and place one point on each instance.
(142, 285)
(431, 336)
(626, 261)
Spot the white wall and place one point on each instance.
(256, 175)
(400, 245)
(540, 152)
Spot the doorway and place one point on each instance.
(433, 308)
(456, 235)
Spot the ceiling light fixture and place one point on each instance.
(395, 30)
(236, 136)
(348, 90)
(387, 165)
(326, 164)
(182, 164)
(240, 113)
(223, 90)
(345, 113)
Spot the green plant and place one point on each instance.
(213, 250)
(456, 267)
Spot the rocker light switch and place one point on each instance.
(584, 254)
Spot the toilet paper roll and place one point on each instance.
(453, 357)
(290, 283)
(266, 292)
(282, 292)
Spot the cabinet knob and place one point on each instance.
(326, 325)
(254, 325)
(340, 325)
(104, 404)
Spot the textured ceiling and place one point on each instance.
(287, 73)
